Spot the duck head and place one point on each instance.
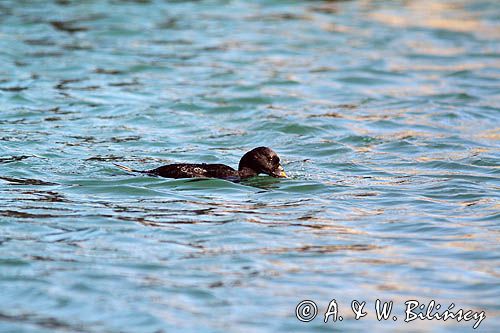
(261, 160)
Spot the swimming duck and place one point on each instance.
(256, 161)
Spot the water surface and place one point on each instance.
(385, 114)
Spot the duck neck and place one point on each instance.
(247, 172)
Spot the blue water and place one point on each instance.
(385, 115)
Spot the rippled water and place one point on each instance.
(385, 114)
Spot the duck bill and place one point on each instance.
(280, 173)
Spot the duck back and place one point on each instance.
(184, 170)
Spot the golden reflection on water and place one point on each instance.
(438, 15)
(493, 134)
(434, 49)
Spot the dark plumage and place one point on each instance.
(256, 161)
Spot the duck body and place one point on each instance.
(258, 160)
(203, 170)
